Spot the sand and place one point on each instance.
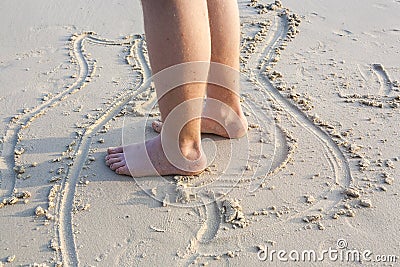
(318, 169)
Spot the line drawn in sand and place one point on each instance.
(383, 96)
(210, 213)
(274, 41)
(66, 239)
(23, 120)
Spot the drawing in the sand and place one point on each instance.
(292, 172)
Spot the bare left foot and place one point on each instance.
(232, 125)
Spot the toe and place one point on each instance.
(157, 125)
(115, 155)
(117, 165)
(112, 161)
(114, 150)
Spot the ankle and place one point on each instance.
(191, 150)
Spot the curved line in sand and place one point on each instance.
(66, 238)
(11, 138)
(332, 152)
(336, 157)
(384, 80)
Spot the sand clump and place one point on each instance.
(389, 180)
(233, 213)
(351, 192)
(16, 197)
(314, 219)
(11, 258)
(39, 211)
(184, 194)
(310, 199)
(349, 212)
(366, 203)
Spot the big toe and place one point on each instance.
(114, 150)
(157, 126)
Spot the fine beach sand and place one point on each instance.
(318, 169)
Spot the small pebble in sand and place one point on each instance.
(312, 218)
(232, 211)
(350, 213)
(341, 212)
(11, 258)
(389, 180)
(230, 254)
(264, 212)
(390, 164)
(10, 201)
(55, 179)
(60, 170)
(19, 151)
(39, 211)
(254, 125)
(354, 148)
(364, 164)
(23, 195)
(366, 203)
(19, 169)
(347, 206)
(309, 199)
(382, 188)
(352, 193)
(53, 245)
(165, 201)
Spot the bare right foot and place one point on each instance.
(149, 159)
(225, 124)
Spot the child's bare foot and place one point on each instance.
(148, 159)
(225, 124)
